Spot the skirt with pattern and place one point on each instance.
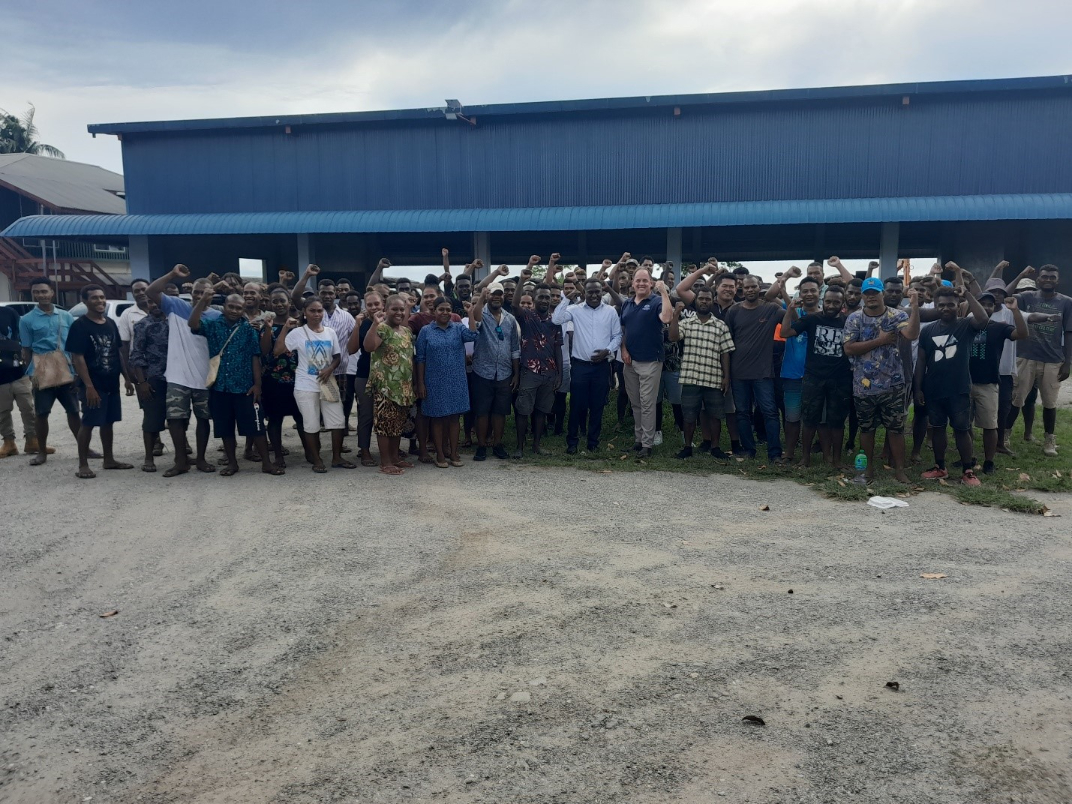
(388, 418)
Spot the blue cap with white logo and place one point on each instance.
(871, 283)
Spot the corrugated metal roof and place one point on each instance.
(599, 105)
(63, 185)
(655, 216)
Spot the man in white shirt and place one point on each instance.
(187, 369)
(131, 316)
(597, 333)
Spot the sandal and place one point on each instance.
(442, 465)
(175, 471)
(369, 461)
(120, 466)
(344, 464)
(391, 470)
(426, 459)
(320, 469)
(404, 465)
(85, 474)
(273, 470)
(456, 462)
(228, 471)
(148, 467)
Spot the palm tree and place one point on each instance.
(18, 135)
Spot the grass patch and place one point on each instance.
(1029, 470)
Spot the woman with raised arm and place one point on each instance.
(389, 342)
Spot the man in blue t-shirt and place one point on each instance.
(796, 352)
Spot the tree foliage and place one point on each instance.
(19, 135)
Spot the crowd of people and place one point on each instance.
(443, 363)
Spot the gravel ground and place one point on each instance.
(501, 633)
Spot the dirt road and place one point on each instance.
(508, 634)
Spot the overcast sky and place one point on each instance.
(91, 61)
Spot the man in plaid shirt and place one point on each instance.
(705, 369)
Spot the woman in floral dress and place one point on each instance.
(390, 345)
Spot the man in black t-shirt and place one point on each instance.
(986, 379)
(15, 388)
(826, 391)
(943, 378)
(93, 342)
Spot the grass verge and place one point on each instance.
(1029, 470)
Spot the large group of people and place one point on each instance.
(445, 362)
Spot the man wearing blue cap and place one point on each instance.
(878, 376)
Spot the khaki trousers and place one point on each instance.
(18, 393)
(642, 385)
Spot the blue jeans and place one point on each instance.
(589, 388)
(744, 391)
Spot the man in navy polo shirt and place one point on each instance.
(643, 317)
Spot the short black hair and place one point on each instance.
(705, 289)
(740, 271)
(41, 280)
(808, 279)
(857, 283)
(464, 278)
(944, 291)
(135, 281)
(325, 283)
(431, 279)
(893, 280)
(1049, 268)
(350, 293)
(84, 293)
(442, 300)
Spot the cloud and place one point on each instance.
(93, 61)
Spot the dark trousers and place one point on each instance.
(762, 391)
(589, 388)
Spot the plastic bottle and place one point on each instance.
(861, 469)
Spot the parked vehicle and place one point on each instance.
(114, 309)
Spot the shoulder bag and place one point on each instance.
(214, 361)
(52, 369)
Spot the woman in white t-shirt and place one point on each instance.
(318, 352)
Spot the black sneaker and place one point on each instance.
(593, 447)
(988, 467)
(719, 455)
(499, 451)
(685, 453)
(645, 452)
(637, 447)
(571, 449)
(705, 446)
(481, 454)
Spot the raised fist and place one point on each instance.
(379, 317)
(292, 323)
(1001, 266)
(679, 308)
(313, 269)
(504, 270)
(660, 287)
(1029, 272)
(446, 252)
(534, 259)
(834, 262)
(181, 270)
(526, 274)
(478, 263)
(913, 296)
(1011, 303)
(795, 271)
(383, 263)
(556, 257)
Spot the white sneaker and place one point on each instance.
(1049, 449)
(658, 438)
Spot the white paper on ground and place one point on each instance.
(887, 502)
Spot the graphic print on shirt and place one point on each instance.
(945, 346)
(318, 354)
(978, 349)
(829, 340)
(103, 355)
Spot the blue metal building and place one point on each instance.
(976, 171)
